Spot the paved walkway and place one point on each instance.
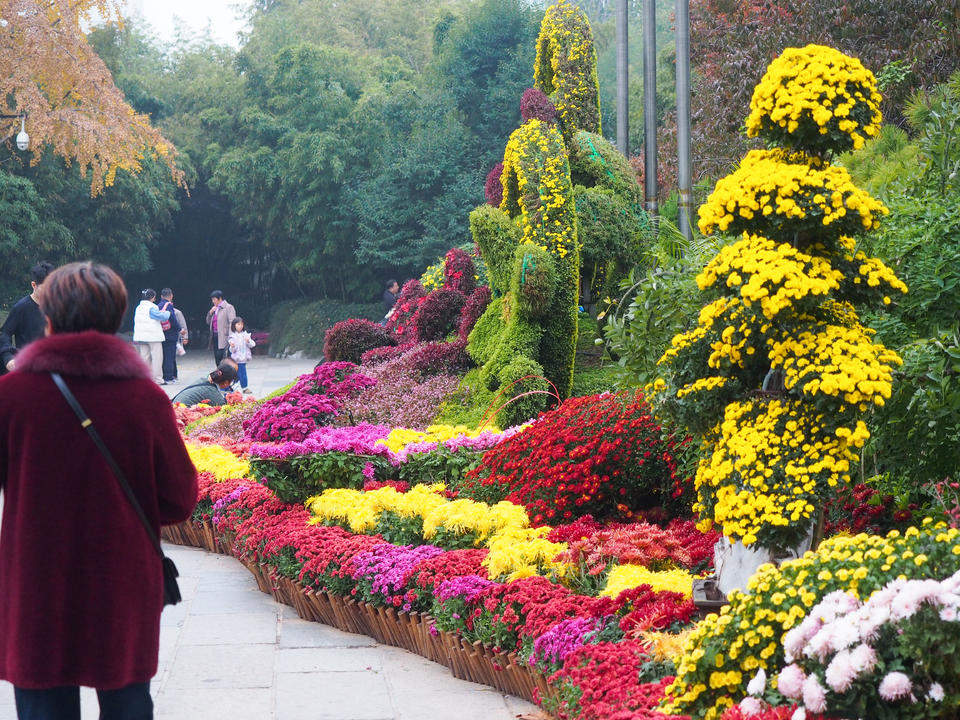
(266, 374)
(229, 652)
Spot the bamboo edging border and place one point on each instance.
(413, 632)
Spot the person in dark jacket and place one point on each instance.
(209, 388)
(25, 322)
(390, 296)
(82, 583)
(171, 334)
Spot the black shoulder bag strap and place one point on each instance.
(171, 591)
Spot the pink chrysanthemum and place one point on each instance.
(840, 672)
(814, 696)
(894, 686)
(790, 682)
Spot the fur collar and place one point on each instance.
(90, 354)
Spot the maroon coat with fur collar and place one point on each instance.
(81, 584)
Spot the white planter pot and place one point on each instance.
(735, 563)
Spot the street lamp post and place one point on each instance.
(684, 170)
(650, 105)
(623, 78)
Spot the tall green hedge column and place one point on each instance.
(538, 191)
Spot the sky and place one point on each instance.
(194, 15)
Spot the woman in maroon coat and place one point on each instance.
(82, 586)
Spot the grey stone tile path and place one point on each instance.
(266, 374)
(229, 652)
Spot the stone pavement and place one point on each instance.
(229, 652)
(266, 374)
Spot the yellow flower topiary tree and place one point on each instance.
(778, 372)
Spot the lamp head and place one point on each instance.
(23, 140)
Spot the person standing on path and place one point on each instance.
(82, 582)
(148, 321)
(241, 345)
(25, 322)
(171, 333)
(219, 319)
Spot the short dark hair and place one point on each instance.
(148, 294)
(233, 325)
(84, 296)
(226, 372)
(39, 272)
(391, 283)
(217, 294)
(166, 292)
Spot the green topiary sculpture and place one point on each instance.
(531, 242)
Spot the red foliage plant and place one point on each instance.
(862, 508)
(475, 307)
(459, 271)
(493, 188)
(536, 105)
(383, 354)
(439, 357)
(601, 455)
(438, 313)
(348, 340)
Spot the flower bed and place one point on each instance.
(547, 613)
(509, 634)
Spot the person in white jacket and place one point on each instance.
(241, 344)
(148, 327)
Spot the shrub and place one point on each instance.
(779, 318)
(535, 104)
(382, 354)
(348, 340)
(472, 310)
(403, 311)
(439, 357)
(437, 314)
(600, 455)
(492, 189)
(459, 271)
(536, 161)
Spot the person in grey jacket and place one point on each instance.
(220, 317)
(209, 389)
